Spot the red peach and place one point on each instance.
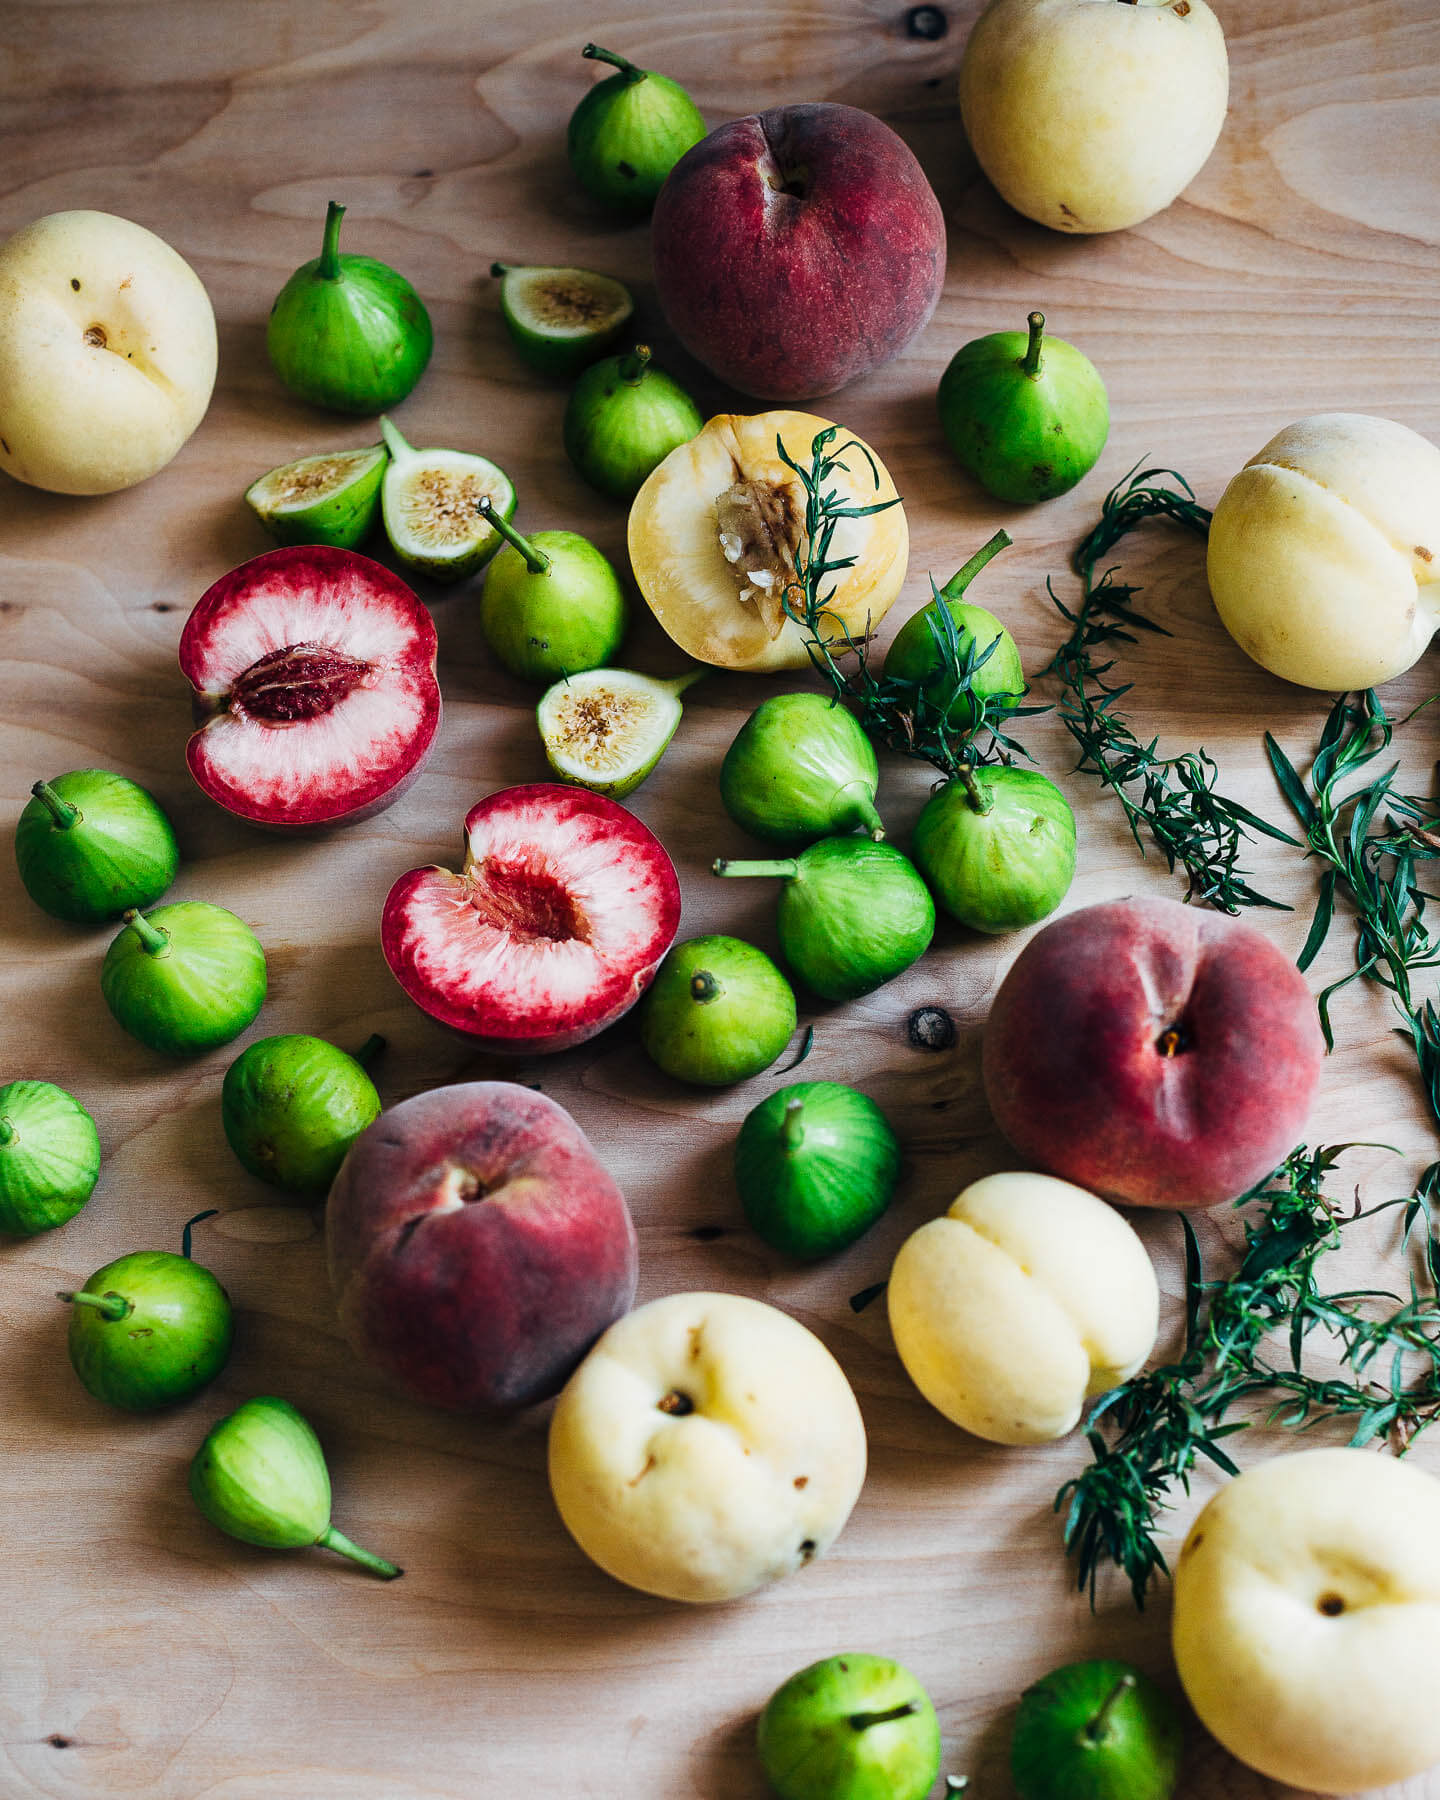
(797, 249)
(1153, 1053)
(477, 1246)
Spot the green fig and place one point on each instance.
(957, 667)
(150, 1329)
(90, 844)
(606, 729)
(430, 501)
(49, 1157)
(628, 133)
(331, 499)
(623, 419)
(717, 1012)
(185, 977)
(260, 1475)
(292, 1106)
(853, 914)
(853, 1727)
(561, 320)
(348, 332)
(1026, 422)
(1096, 1731)
(552, 604)
(816, 1164)
(997, 847)
(800, 768)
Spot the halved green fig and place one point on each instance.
(329, 499)
(605, 729)
(91, 843)
(49, 1157)
(852, 915)
(623, 419)
(997, 847)
(430, 501)
(185, 977)
(562, 320)
(801, 768)
(628, 132)
(260, 1476)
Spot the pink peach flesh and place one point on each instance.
(314, 679)
(554, 927)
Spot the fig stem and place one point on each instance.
(860, 811)
(862, 1721)
(677, 684)
(536, 561)
(499, 269)
(154, 938)
(962, 578)
(785, 867)
(370, 1049)
(980, 800)
(109, 1306)
(704, 987)
(61, 811)
(210, 1212)
(792, 1126)
(633, 366)
(1031, 365)
(627, 69)
(331, 1539)
(7, 1132)
(328, 268)
(1095, 1730)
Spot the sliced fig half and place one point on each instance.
(314, 678)
(554, 927)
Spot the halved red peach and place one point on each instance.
(551, 931)
(315, 689)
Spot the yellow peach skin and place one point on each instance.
(107, 353)
(1027, 1298)
(1090, 115)
(707, 1445)
(714, 532)
(1307, 1619)
(1324, 553)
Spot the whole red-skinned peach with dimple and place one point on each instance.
(313, 672)
(477, 1246)
(1155, 1053)
(798, 249)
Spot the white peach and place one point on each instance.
(1324, 553)
(1307, 1619)
(708, 1444)
(1027, 1298)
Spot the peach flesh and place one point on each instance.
(1153, 1053)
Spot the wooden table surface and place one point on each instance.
(145, 1655)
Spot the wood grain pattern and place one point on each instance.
(146, 1656)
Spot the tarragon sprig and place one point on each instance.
(944, 721)
(1174, 801)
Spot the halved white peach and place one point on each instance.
(717, 530)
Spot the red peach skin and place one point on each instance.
(1153, 1053)
(797, 249)
(477, 1246)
